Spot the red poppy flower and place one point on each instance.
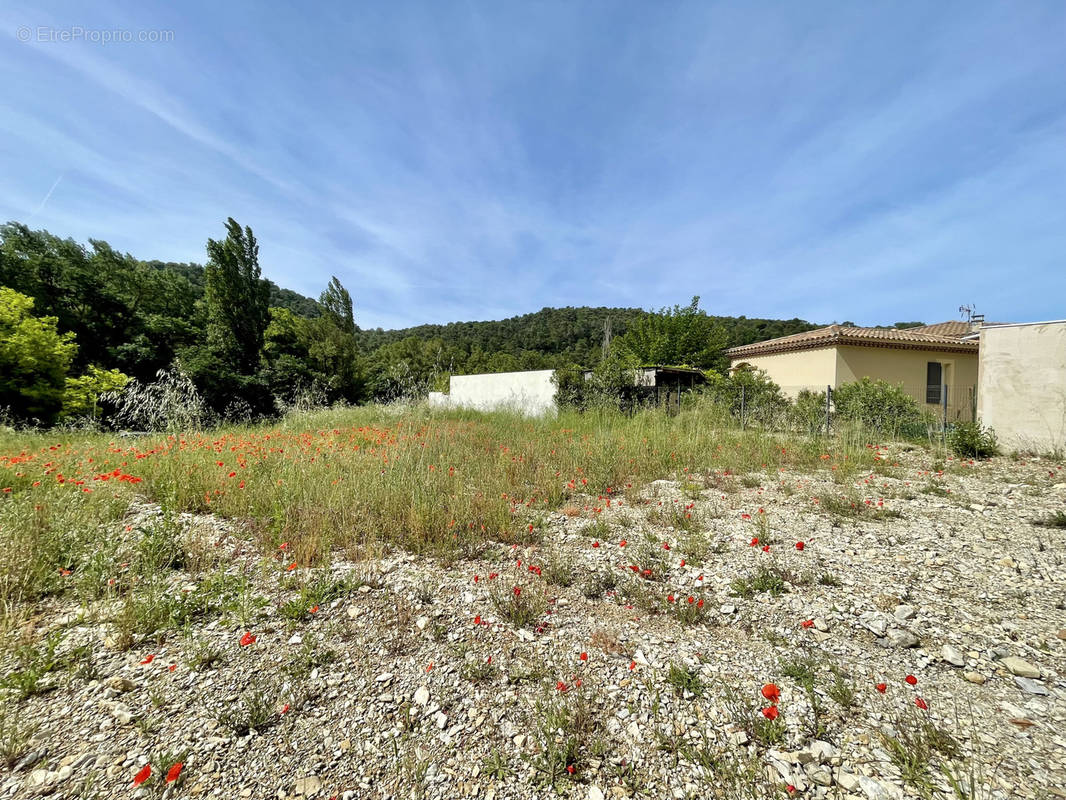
(921, 704)
(247, 639)
(517, 591)
(291, 567)
(284, 709)
(584, 656)
(313, 610)
(799, 545)
(561, 686)
(570, 768)
(622, 543)
(771, 692)
(148, 658)
(754, 541)
(172, 667)
(691, 599)
(595, 544)
(770, 712)
(882, 687)
(745, 516)
(669, 598)
(174, 772)
(766, 548)
(807, 623)
(632, 665)
(666, 546)
(143, 775)
(911, 680)
(682, 562)
(477, 620)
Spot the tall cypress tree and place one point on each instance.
(237, 299)
(337, 304)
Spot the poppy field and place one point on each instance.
(381, 602)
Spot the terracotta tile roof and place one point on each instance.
(956, 328)
(943, 337)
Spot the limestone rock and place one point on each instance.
(1020, 667)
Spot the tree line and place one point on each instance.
(78, 322)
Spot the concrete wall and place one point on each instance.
(1023, 385)
(908, 367)
(530, 392)
(798, 370)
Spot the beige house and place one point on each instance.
(1023, 385)
(933, 363)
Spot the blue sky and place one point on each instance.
(456, 161)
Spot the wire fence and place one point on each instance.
(915, 409)
(749, 400)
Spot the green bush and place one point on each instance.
(878, 405)
(749, 395)
(972, 440)
(808, 411)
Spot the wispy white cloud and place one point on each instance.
(458, 162)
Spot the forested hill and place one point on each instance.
(560, 335)
(249, 344)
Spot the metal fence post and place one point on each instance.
(828, 400)
(944, 408)
(742, 406)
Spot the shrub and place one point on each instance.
(521, 606)
(749, 395)
(972, 440)
(808, 411)
(169, 403)
(876, 404)
(764, 579)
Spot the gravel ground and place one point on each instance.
(411, 678)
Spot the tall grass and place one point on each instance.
(436, 482)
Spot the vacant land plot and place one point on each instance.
(373, 603)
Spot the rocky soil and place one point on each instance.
(404, 677)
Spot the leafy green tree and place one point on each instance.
(236, 299)
(82, 394)
(336, 304)
(286, 362)
(678, 336)
(319, 355)
(34, 359)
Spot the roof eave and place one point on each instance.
(958, 346)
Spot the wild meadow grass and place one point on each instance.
(358, 480)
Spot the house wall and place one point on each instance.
(908, 367)
(797, 370)
(531, 392)
(1023, 385)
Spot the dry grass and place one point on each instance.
(351, 480)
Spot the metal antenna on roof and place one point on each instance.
(968, 311)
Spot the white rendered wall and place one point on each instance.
(531, 393)
(1022, 385)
